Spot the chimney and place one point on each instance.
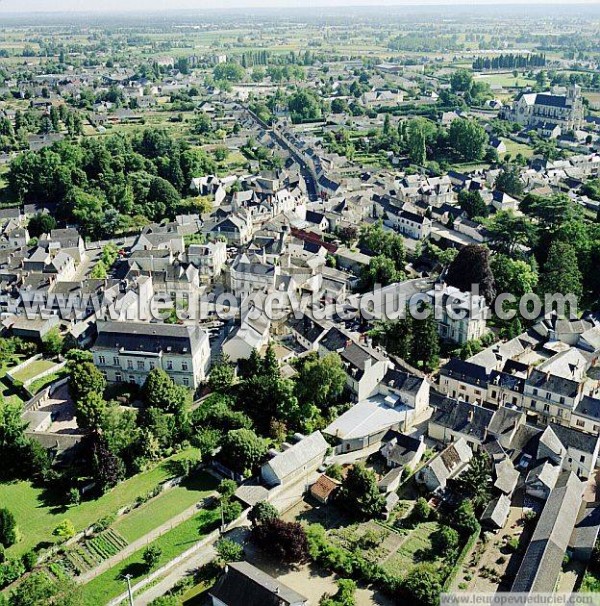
(470, 416)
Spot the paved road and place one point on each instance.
(182, 570)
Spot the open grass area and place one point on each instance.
(167, 505)
(513, 148)
(39, 384)
(6, 389)
(506, 80)
(33, 370)
(111, 584)
(38, 513)
(413, 550)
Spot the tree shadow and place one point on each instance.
(135, 569)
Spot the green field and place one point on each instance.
(413, 550)
(506, 80)
(37, 513)
(164, 507)
(111, 584)
(513, 148)
(33, 370)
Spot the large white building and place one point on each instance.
(537, 110)
(128, 351)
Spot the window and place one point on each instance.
(493, 393)
(548, 395)
(130, 364)
(169, 365)
(151, 364)
(580, 423)
(184, 366)
(131, 379)
(118, 377)
(140, 365)
(533, 404)
(535, 392)
(101, 359)
(582, 459)
(562, 399)
(115, 361)
(546, 407)
(186, 381)
(596, 428)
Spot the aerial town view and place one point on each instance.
(299, 303)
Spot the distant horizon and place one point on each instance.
(33, 7)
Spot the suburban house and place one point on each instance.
(295, 462)
(444, 466)
(543, 560)
(128, 351)
(245, 585)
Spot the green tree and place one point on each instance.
(426, 341)
(41, 224)
(467, 138)
(320, 381)
(509, 181)
(360, 494)
(52, 342)
(8, 528)
(422, 586)
(473, 204)
(90, 410)
(64, 531)
(242, 450)
(229, 551)
(38, 589)
(222, 375)
(561, 272)
(472, 266)
(508, 232)
(345, 595)
(85, 379)
(461, 81)
(151, 556)
(513, 275)
(465, 520)
(381, 270)
(444, 541)
(160, 391)
(262, 512)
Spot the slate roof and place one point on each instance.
(245, 585)
(553, 384)
(573, 438)
(542, 563)
(589, 407)
(463, 417)
(143, 337)
(496, 513)
(551, 100)
(465, 371)
(298, 455)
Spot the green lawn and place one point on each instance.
(413, 550)
(6, 389)
(33, 370)
(506, 80)
(110, 584)
(167, 505)
(37, 514)
(513, 148)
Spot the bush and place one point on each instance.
(65, 530)
(229, 551)
(29, 560)
(421, 511)
(151, 556)
(262, 512)
(8, 528)
(285, 541)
